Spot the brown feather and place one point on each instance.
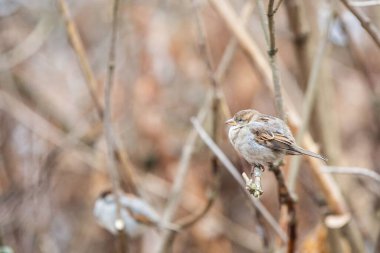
(282, 143)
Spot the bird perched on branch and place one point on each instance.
(263, 141)
(136, 214)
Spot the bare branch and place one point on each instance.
(299, 26)
(180, 177)
(205, 52)
(235, 174)
(287, 200)
(326, 183)
(112, 167)
(77, 44)
(30, 44)
(76, 41)
(235, 232)
(353, 171)
(366, 23)
(232, 44)
(310, 96)
(272, 59)
(364, 3)
(277, 6)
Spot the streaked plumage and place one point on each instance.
(262, 139)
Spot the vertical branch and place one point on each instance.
(356, 54)
(78, 47)
(215, 107)
(326, 183)
(112, 168)
(178, 185)
(229, 52)
(287, 200)
(76, 41)
(311, 92)
(227, 57)
(298, 25)
(272, 58)
(227, 164)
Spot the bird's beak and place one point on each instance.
(231, 122)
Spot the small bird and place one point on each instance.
(263, 140)
(136, 214)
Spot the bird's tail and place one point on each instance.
(301, 151)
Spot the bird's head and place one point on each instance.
(242, 118)
(106, 196)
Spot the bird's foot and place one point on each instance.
(253, 186)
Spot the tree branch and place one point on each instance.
(310, 96)
(235, 174)
(287, 200)
(77, 44)
(91, 83)
(112, 167)
(366, 23)
(353, 171)
(272, 59)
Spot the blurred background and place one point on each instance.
(53, 159)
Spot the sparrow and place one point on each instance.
(136, 214)
(263, 140)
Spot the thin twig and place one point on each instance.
(328, 186)
(182, 170)
(180, 177)
(227, 57)
(229, 52)
(188, 147)
(212, 194)
(91, 83)
(263, 20)
(356, 54)
(284, 196)
(364, 3)
(235, 174)
(272, 59)
(31, 44)
(277, 6)
(236, 233)
(190, 220)
(310, 96)
(46, 130)
(299, 25)
(215, 117)
(353, 171)
(77, 44)
(237, 28)
(112, 167)
(326, 183)
(287, 200)
(204, 49)
(366, 23)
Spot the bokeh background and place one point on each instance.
(53, 159)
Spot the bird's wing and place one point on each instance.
(275, 141)
(140, 218)
(139, 210)
(282, 142)
(273, 133)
